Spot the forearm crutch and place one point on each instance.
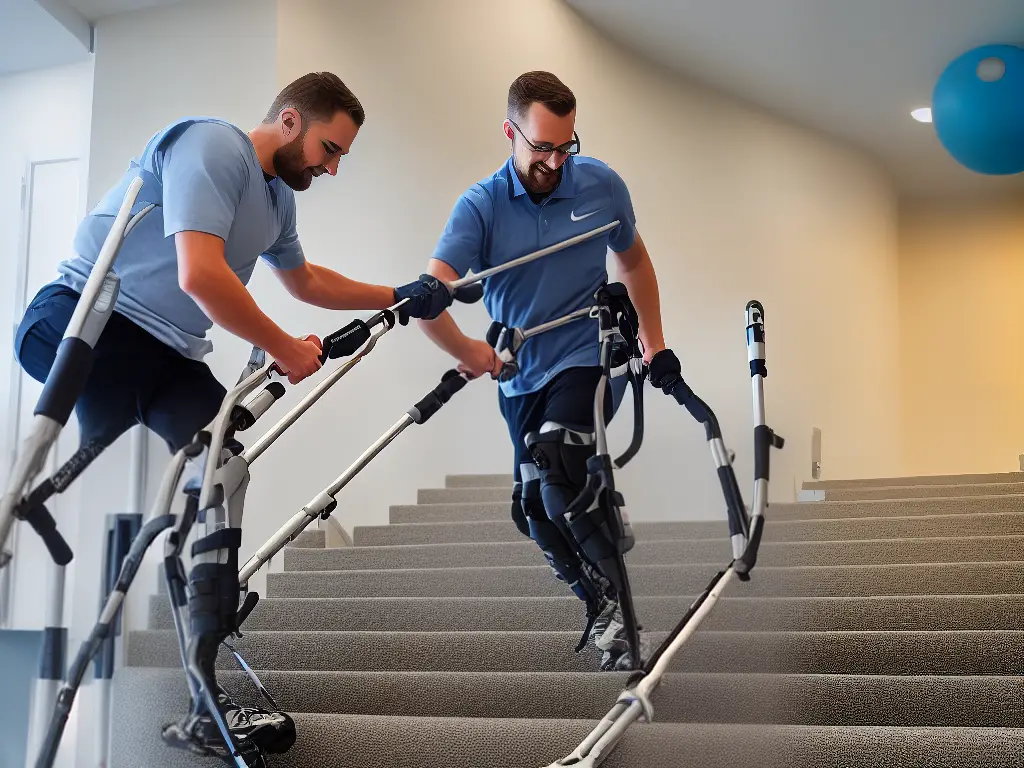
(634, 703)
(324, 503)
(63, 386)
(234, 416)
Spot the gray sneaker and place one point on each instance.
(614, 646)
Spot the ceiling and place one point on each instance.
(852, 69)
(94, 10)
(30, 38)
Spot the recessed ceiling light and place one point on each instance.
(922, 114)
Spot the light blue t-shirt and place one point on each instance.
(203, 175)
(495, 221)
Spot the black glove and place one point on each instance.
(427, 298)
(666, 371)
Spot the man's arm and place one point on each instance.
(443, 330)
(204, 274)
(475, 356)
(637, 273)
(323, 287)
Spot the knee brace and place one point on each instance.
(576, 487)
(518, 515)
(213, 594)
(558, 549)
(561, 455)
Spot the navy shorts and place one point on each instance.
(135, 378)
(567, 399)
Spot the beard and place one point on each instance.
(291, 165)
(538, 178)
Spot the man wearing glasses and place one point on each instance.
(546, 192)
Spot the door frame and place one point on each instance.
(13, 436)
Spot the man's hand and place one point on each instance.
(427, 298)
(479, 358)
(300, 358)
(666, 371)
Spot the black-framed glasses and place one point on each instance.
(569, 148)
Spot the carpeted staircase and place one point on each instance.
(883, 626)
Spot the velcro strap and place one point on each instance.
(225, 538)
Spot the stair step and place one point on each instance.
(310, 539)
(462, 495)
(470, 511)
(360, 741)
(554, 614)
(662, 580)
(924, 700)
(910, 492)
(880, 482)
(478, 481)
(927, 507)
(917, 526)
(987, 652)
(667, 552)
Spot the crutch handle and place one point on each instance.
(42, 522)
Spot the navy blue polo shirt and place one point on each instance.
(495, 221)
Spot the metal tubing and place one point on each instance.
(476, 278)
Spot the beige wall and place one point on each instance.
(961, 283)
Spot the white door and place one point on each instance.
(52, 212)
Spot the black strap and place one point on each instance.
(225, 538)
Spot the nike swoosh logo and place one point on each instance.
(574, 217)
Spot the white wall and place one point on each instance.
(961, 272)
(47, 118)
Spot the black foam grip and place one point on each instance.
(737, 512)
(469, 294)
(345, 341)
(493, 332)
(42, 522)
(637, 382)
(143, 539)
(697, 408)
(745, 564)
(762, 450)
(758, 368)
(66, 380)
(451, 382)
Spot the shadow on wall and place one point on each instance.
(19, 660)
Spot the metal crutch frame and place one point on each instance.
(234, 416)
(634, 703)
(61, 391)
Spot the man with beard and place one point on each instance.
(224, 198)
(546, 192)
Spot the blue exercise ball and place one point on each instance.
(978, 109)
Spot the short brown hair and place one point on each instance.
(541, 87)
(317, 97)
